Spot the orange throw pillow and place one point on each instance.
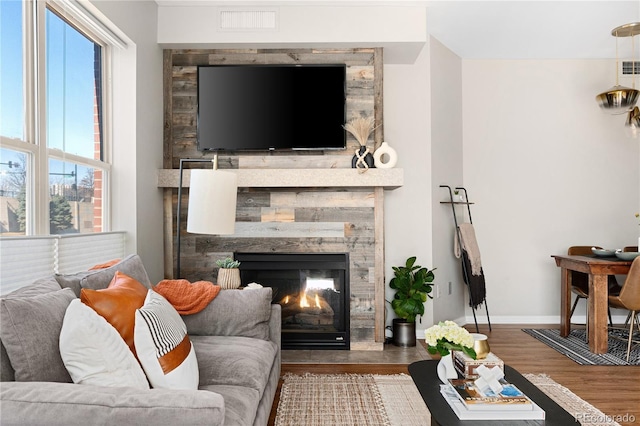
(118, 303)
(104, 265)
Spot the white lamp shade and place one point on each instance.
(212, 202)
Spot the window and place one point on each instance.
(53, 155)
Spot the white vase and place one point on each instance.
(385, 157)
(446, 370)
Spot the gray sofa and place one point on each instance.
(236, 339)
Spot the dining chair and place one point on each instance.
(629, 299)
(580, 284)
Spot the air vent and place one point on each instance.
(233, 20)
(630, 68)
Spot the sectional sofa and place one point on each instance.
(237, 346)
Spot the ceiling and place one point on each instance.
(513, 29)
(532, 29)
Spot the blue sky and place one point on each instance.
(69, 91)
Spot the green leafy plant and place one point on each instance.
(412, 284)
(227, 263)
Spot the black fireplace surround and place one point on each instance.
(313, 291)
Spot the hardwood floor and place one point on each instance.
(614, 390)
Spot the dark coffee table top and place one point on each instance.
(425, 376)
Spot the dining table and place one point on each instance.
(598, 268)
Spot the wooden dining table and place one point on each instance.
(598, 269)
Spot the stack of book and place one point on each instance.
(470, 403)
(466, 366)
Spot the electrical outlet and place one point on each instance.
(437, 292)
(449, 287)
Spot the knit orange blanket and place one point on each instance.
(187, 298)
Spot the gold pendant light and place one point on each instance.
(620, 99)
(633, 123)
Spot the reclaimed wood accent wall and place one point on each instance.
(284, 219)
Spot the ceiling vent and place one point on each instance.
(248, 19)
(630, 68)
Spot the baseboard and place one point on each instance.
(550, 319)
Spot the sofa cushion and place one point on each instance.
(118, 304)
(68, 404)
(30, 328)
(40, 286)
(234, 313)
(94, 353)
(6, 371)
(236, 361)
(100, 279)
(240, 403)
(163, 346)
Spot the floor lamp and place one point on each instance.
(212, 202)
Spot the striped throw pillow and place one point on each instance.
(163, 346)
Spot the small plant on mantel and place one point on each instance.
(228, 274)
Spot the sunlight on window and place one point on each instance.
(74, 205)
(73, 77)
(13, 184)
(11, 80)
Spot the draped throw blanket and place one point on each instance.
(471, 263)
(470, 245)
(187, 298)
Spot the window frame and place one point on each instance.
(34, 145)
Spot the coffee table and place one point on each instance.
(425, 376)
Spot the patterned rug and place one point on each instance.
(387, 400)
(572, 403)
(575, 347)
(350, 399)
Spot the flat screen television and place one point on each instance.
(271, 107)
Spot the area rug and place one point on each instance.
(575, 347)
(350, 399)
(581, 410)
(387, 400)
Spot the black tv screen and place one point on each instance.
(271, 107)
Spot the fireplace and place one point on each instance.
(313, 290)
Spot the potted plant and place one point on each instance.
(412, 284)
(228, 274)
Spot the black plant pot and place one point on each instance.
(404, 333)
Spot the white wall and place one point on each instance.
(446, 169)
(401, 30)
(547, 169)
(408, 210)
(138, 137)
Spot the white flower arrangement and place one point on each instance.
(448, 336)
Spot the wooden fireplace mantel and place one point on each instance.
(299, 178)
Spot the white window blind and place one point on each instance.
(25, 259)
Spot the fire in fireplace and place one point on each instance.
(313, 290)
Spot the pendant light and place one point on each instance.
(632, 126)
(621, 99)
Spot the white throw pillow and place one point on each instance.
(93, 351)
(163, 346)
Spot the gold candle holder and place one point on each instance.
(481, 345)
